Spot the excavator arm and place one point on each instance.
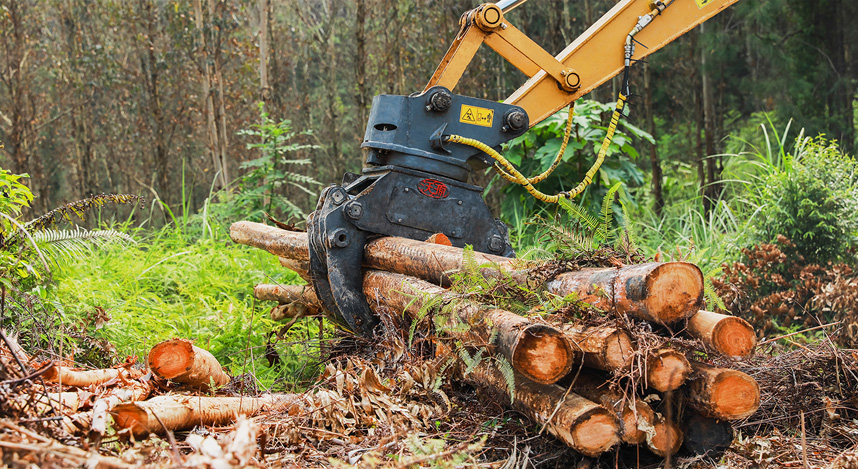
(422, 148)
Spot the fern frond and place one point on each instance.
(77, 242)
(78, 208)
(508, 375)
(607, 213)
(580, 215)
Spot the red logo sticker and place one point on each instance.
(433, 188)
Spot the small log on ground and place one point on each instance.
(277, 241)
(136, 391)
(181, 361)
(707, 436)
(80, 378)
(302, 268)
(722, 393)
(602, 347)
(538, 351)
(729, 335)
(666, 437)
(580, 423)
(186, 412)
(295, 301)
(635, 414)
(666, 370)
(660, 293)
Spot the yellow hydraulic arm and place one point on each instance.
(595, 57)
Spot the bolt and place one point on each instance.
(339, 238)
(454, 233)
(338, 196)
(407, 190)
(496, 243)
(354, 210)
(398, 220)
(440, 101)
(460, 202)
(516, 120)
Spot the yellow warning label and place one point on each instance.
(476, 115)
(702, 3)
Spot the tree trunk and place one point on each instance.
(180, 361)
(655, 164)
(722, 393)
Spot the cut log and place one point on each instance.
(180, 361)
(728, 335)
(635, 414)
(706, 436)
(602, 347)
(666, 370)
(722, 393)
(283, 243)
(136, 391)
(666, 437)
(186, 412)
(580, 423)
(302, 268)
(80, 378)
(538, 351)
(660, 293)
(296, 301)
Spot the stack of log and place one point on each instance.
(588, 385)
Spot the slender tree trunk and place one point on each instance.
(698, 122)
(657, 195)
(709, 124)
(211, 123)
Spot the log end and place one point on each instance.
(666, 438)
(667, 370)
(635, 420)
(619, 351)
(675, 291)
(596, 433)
(734, 395)
(734, 337)
(171, 358)
(131, 417)
(543, 354)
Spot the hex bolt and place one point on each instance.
(516, 120)
(496, 243)
(440, 101)
(460, 202)
(339, 238)
(338, 196)
(354, 210)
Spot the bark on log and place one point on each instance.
(136, 391)
(180, 361)
(635, 414)
(602, 347)
(80, 378)
(302, 268)
(295, 301)
(283, 243)
(660, 293)
(186, 412)
(706, 436)
(580, 423)
(666, 370)
(538, 351)
(729, 335)
(666, 437)
(656, 292)
(722, 393)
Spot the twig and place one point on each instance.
(797, 332)
(36, 374)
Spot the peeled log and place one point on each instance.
(80, 378)
(635, 414)
(295, 300)
(602, 347)
(277, 241)
(186, 412)
(538, 351)
(722, 393)
(302, 268)
(666, 370)
(180, 361)
(580, 423)
(728, 335)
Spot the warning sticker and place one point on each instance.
(477, 115)
(702, 3)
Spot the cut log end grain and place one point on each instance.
(667, 370)
(665, 439)
(542, 354)
(636, 416)
(723, 393)
(179, 360)
(662, 293)
(595, 434)
(728, 335)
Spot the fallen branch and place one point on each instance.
(81, 378)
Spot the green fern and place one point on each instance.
(77, 242)
(508, 375)
(79, 209)
(471, 362)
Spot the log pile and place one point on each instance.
(583, 382)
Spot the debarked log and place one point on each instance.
(172, 413)
(538, 351)
(181, 361)
(580, 423)
(666, 370)
(722, 393)
(729, 335)
(80, 378)
(295, 301)
(658, 292)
